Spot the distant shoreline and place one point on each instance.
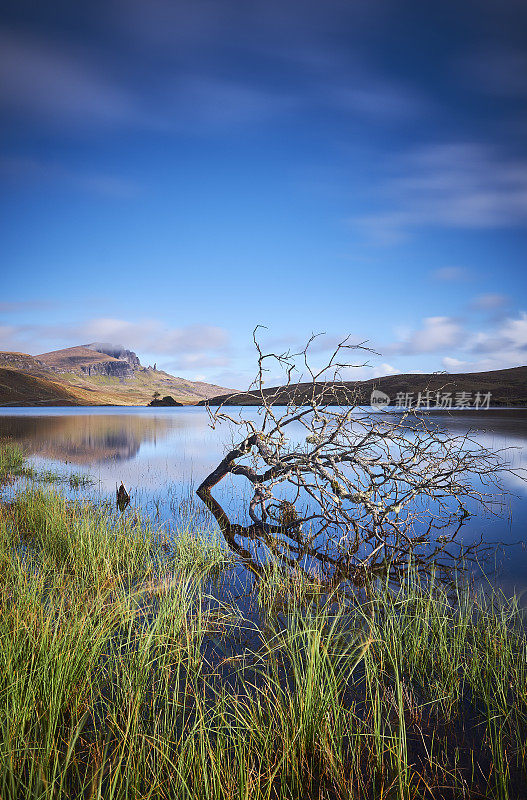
(387, 409)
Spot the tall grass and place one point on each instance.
(122, 675)
(12, 461)
(13, 464)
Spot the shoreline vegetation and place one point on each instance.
(129, 669)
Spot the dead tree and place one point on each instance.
(350, 488)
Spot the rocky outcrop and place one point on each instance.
(116, 351)
(114, 369)
(165, 401)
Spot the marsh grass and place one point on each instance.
(12, 461)
(122, 675)
(13, 464)
(78, 480)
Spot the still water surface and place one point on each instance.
(163, 454)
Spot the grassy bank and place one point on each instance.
(130, 669)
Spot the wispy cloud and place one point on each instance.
(509, 337)
(58, 84)
(495, 70)
(153, 336)
(44, 79)
(188, 361)
(26, 305)
(32, 170)
(365, 373)
(450, 274)
(190, 78)
(492, 301)
(366, 95)
(202, 103)
(9, 338)
(190, 346)
(457, 185)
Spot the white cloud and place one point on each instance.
(515, 331)
(193, 345)
(510, 337)
(367, 372)
(436, 334)
(504, 345)
(153, 336)
(384, 369)
(491, 362)
(453, 364)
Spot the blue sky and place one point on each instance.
(175, 173)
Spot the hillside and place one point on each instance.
(23, 362)
(20, 389)
(508, 387)
(90, 376)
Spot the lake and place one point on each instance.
(163, 454)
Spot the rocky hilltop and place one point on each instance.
(23, 362)
(116, 351)
(88, 360)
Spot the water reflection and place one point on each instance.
(84, 439)
(290, 550)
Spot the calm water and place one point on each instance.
(163, 454)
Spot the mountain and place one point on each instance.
(96, 358)
(508, 387)
(84, 360)
(92, 374)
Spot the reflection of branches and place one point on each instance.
(350, 488)
(334, 571)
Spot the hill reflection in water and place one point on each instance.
(85, 439)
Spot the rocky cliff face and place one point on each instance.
(116, 351)
(115, 369)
